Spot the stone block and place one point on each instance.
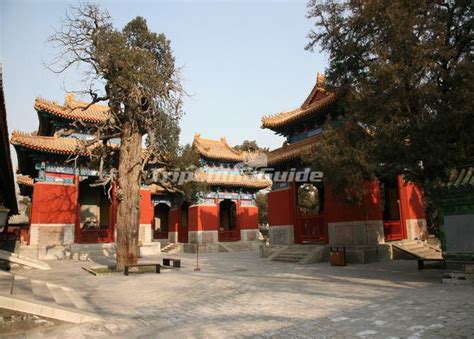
(145, 233)
(150, 249)
(356, 232)
(281, 235)
(384, 252)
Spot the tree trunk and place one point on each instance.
(128, 214)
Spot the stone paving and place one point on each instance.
(241, 295)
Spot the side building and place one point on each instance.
(57, 173)
(391, 210)
(226, 211)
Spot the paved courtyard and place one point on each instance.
(241, 295)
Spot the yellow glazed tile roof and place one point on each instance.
(216, 149)
(292, 151)
(57, 145)
(317, 100)
(25, 180)
(284, 118)
(232, 180)
(73, 109)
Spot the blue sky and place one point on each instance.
(240, 60)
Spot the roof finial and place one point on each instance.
(69, 98)
(320, 80)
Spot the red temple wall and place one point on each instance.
(411, 200)
(412, 210)
(281, 207)
(203, 218)
(53, 204)
(206, 217)
(337, 210)
(247, 217)
(146, 207)
(173, 220)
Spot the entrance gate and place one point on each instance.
(312, 228)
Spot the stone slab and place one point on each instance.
(23, 260)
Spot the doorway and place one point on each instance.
(95, 214)
(161, 221)
(183, 222)
(310, 223)
(390, 196)
(228, 230)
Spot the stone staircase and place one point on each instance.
(303, 254)
(44, 299)
(418, 249)
(172, 248)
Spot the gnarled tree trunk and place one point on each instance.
(128, 214)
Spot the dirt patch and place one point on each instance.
(12, 322)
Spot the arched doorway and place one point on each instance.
(183, 222)
(228, 228)
(96, 219)
(310, 214)
(161, 221)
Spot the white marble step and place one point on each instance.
(22, 287)
(45, 299)
(41, 291)
(6, 280)
(60, 296)
(24, 261)
(77, 300)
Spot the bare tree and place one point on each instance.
(136, 70)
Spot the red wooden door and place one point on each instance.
(392, 230)
(183, 235)
(311, 228)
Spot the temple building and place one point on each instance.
(226, 211)
(57, 173)
(309, 212)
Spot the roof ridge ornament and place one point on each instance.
(69, 98)
(320, 81)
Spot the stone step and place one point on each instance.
(60, 296)
(292, 255)
(286, 259)
(6, 281)
(22, 287)
(41, 291)
(24, 261)
(413, 246)
(77, 300)
(418, 249)
(45, 299)
(170, 247)
(296, 252)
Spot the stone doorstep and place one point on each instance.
(46, 310)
